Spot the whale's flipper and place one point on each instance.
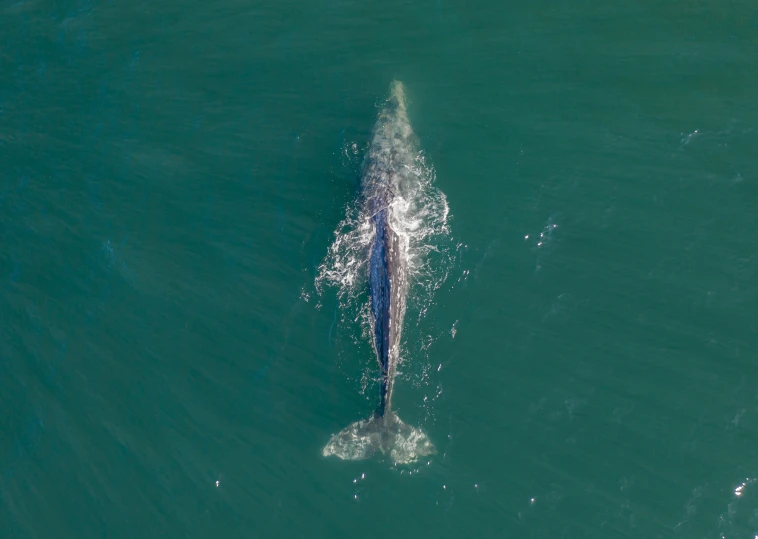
(385, 434)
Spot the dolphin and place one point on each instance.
(386, 174)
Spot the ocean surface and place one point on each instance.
(580, 343)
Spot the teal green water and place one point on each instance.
(171, 177)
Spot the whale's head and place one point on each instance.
(397, 94)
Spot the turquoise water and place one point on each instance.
(172, 176)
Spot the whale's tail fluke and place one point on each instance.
(384, 434)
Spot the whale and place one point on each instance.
(386, 172)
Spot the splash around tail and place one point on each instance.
(386, 434)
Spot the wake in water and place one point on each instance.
(394, 243)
